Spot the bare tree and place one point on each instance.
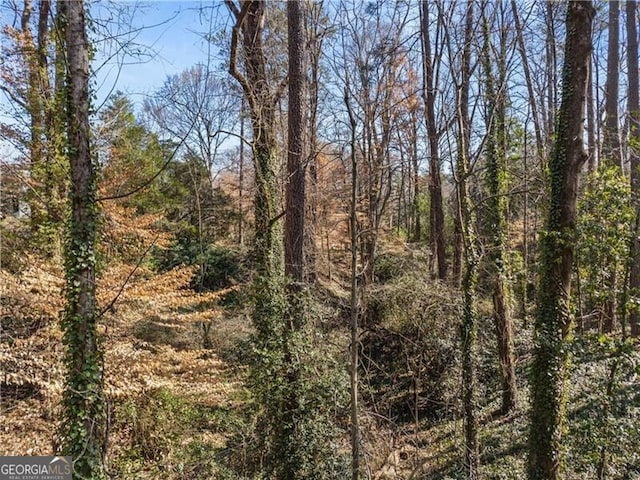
(633, 110)
(470, 256)
(354, 297)
(611, 134)
(436, 210)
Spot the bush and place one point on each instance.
(168, 436)
(410, 348)
(390, 266)
(220, 266)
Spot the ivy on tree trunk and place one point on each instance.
(84, 416)
(554, 325)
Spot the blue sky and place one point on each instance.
(164, 38)
(170, 35)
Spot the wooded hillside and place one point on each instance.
(367, 240)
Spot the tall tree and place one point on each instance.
(28, 85)
(633, 108)
(466, 221)
(269, 308)
(554, 325)
(261, 99)
(611, 134)
(84, 416)
(611, 156)
(286, 394)
(354, 300)
(436, 210)
(496, 210)
(296, 154)
(316, 33)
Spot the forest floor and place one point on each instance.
(157, 371)
(175, 370)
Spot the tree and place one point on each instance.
(287, 394)
(466, 221)
(84, 415)
(527, 75)
(611, 135)
(296, 155)
(633, 107)
(611, 149)
(268, 373)
(554, 326)
(496, 211)
(261, 99)
(130, 155)
(354, 300)
(372, 40)
(197, 109)
(436, 210)
(26, 79)
(316, 32)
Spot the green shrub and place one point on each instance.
(220, 266)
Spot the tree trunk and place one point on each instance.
(295, 187)
(591, 124)
(354, 303)
(496, 215)
(533, 104)
(436, 210)
(415, 179)
(611, 147)
(262, 111)
(312, 230)
(241, 179)
(45, 202)
(611, 134)
(270, 379)
(470, 256)
(551, 69)
(84, 416)
(553, 319)
(633, 107)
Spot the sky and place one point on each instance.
(137, 45)
(169, 35)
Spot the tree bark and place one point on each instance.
(633, 107)
(611, 147)
(261, 102)
(496, 214)
(295, 187)
(469, 328)
(554, 325)
(272, 377)
(354, 298)
(591, 124)
(83, 425)
(436, 209)
(611, 134)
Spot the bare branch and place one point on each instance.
(233, 55)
